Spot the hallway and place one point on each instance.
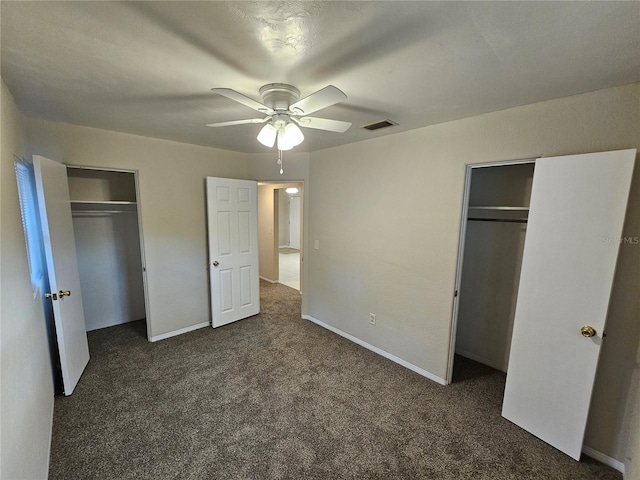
(289, 259)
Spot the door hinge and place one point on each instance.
(455, 294)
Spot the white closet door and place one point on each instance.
(62, 267)
(577, 212)
(232, 210)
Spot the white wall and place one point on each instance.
(488, 291)
(172, 202)
(110, 268)
(387, 215)
(26, 379)
(283, 216)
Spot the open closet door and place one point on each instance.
(62, 268)
(232, 212)
(577, 212)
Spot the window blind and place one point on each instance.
(30, 219)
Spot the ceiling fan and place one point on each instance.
(285, 113)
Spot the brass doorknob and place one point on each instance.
(216, 263)
(64, 293)
(588, 331)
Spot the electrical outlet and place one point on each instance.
(372, 318)
(316, 244)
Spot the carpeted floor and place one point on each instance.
(277, 397)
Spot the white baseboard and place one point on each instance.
(602, 458)
(180, 331)
(268, 280)
(377, 350)
(480, 359)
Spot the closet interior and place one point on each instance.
(493, 247)
(104, 207)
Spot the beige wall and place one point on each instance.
(632, 427)
(387, 215)
(173, 208)
(26, 379)
(267, 232)
(262, 167)
(617, 384)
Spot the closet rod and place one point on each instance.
(505, 220)
(98, 212)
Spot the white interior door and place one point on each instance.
(294, 223)
(62, 267)
(577, 211)
(232, 211)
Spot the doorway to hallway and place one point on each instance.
(281, 232)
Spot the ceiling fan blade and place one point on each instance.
(243, 99)
(323, 124)
(324, 98)
(238, 122)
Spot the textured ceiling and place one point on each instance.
(147, 67)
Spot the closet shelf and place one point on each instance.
(499, 208)
(498, 214)
(102, 206)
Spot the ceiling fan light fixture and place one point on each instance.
(267, 135)
(284, 141)
(293, 134)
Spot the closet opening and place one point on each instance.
(496, 206)
(108, 235)
(537, 309)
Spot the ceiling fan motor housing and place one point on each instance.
(279, 96)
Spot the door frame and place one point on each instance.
(136, 179)
(469, 167)
(278, 184)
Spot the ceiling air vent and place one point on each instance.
(378, 125)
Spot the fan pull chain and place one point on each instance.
(280, 161)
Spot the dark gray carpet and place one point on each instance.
(277, 397)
